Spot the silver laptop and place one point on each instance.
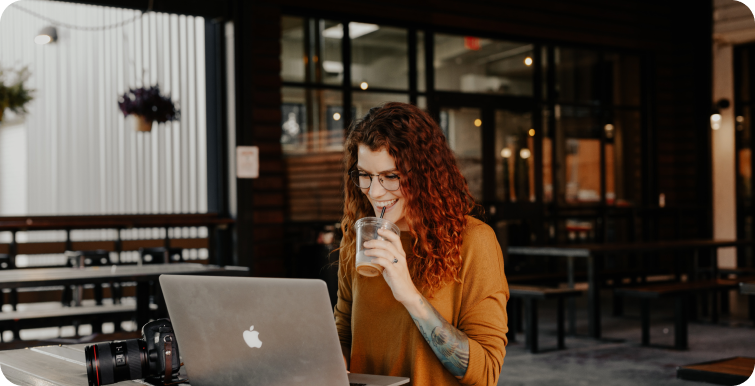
(261, 332)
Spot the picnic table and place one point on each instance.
(60, 365)
(141, 274)
(592, 252)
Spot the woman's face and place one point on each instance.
(374, 162)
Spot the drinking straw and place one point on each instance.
(381, 216)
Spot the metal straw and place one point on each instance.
(381, 216)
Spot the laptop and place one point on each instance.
(258, 332)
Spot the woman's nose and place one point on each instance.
(376, 188)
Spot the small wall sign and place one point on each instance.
(247, 162)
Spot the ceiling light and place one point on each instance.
(478, 122)
(506, 152)
(46, 35)
(525, 153)
(332, 67)
(532, 132)
(355, 30)
(740, 119)
(528, 61)
(364, 85)
(336, 117)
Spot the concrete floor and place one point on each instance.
(624, 362)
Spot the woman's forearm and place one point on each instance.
(449, 344)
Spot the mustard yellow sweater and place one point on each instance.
(384, 340)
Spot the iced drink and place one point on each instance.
(366, 229)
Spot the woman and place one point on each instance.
(438, 313)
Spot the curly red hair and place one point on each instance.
(437, 196)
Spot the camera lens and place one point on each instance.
(112, 362)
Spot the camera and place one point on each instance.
(154, 358)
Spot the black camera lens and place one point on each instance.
(112, 362)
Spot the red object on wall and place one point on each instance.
(472, 43)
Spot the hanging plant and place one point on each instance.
(148, 106)
(13, 94)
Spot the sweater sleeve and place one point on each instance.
(483, 312)
(342, 310)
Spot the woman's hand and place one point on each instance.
(385, 252)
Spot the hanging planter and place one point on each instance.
(142, 123)
(147, 106)
(13, 94)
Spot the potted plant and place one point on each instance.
(13, 94)
(147, 106)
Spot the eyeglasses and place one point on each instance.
(363, 180)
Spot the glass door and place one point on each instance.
(495, 142)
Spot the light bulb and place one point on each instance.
(478, 122)
(46, 35)
(532, 132)
(525, 153)
(42, 39)
(715, 121)
(506, 152)
(336, 117)
(528, 61)
(364, 85)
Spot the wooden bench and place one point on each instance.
(530, 295)
(681, 292)
(730, 371)
(65, 316)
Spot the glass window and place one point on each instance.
(364, 101)
(577, 76)
(421, 61)
(515, 156)
(379, 56)
(547, 159)
(330, 63)
(471, 64)
(625, 71)
(422, 103)
(311, 120)
(578, 141)
(624, 159)
(463, 130)
(293, 57)
(311, 50)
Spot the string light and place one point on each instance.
(76, 27)
(46, 35)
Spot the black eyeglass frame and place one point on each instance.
(354, 178)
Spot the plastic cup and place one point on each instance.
(366, 229)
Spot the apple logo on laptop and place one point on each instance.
(251, 338)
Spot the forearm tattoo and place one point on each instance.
(449, 344)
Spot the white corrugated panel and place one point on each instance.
(83, 156)
(13, 169)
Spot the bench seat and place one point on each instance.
(730, 371)
(96, 315)
(530, 295)
(681, 292)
